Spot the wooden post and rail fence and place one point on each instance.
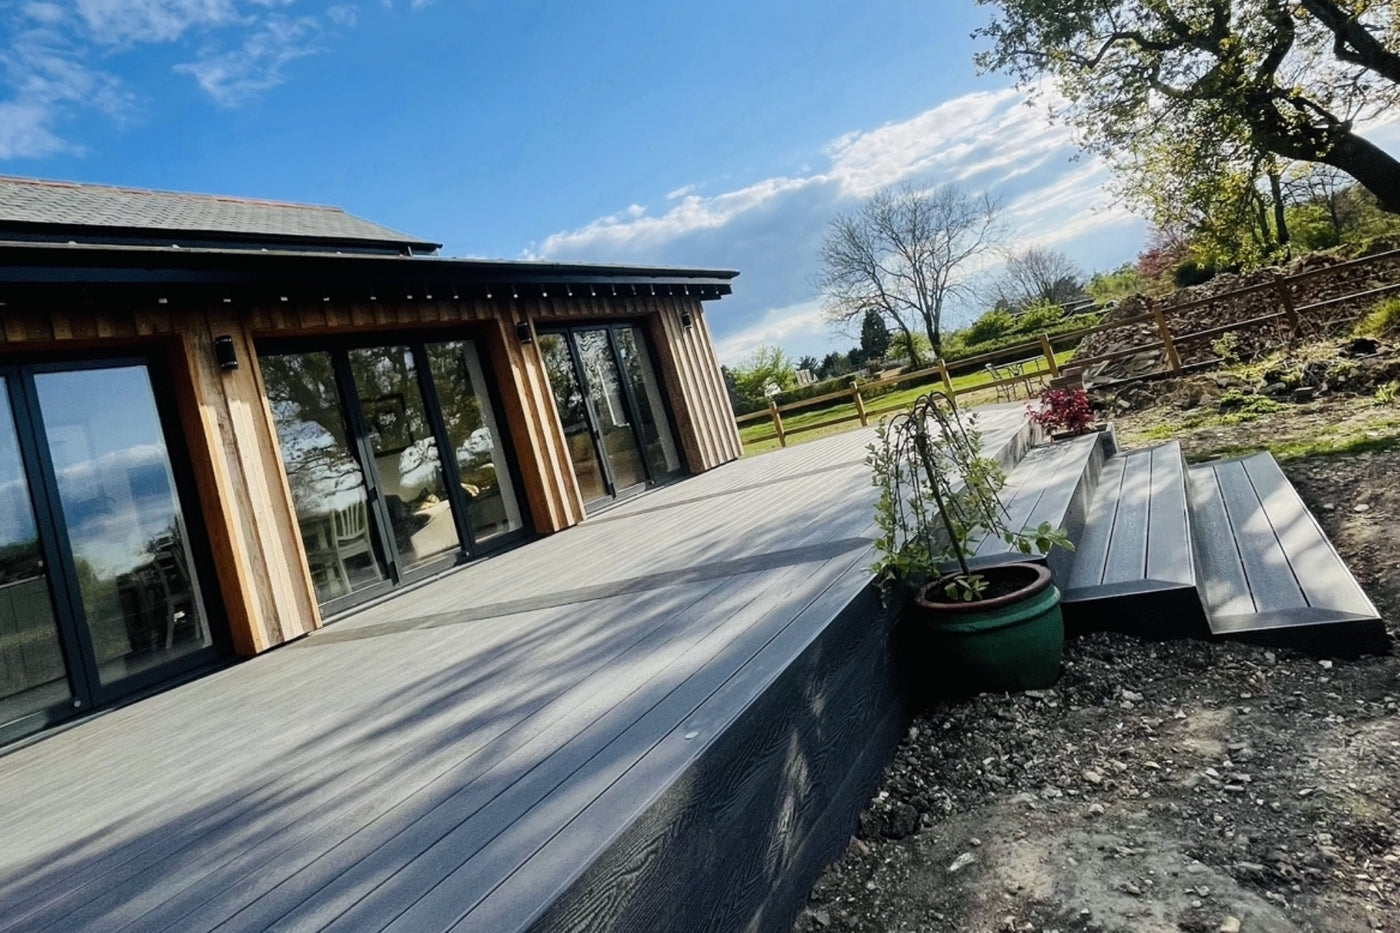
(1018, 366)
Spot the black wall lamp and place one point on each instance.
(523, 332)
(686, 320)
(225, 352)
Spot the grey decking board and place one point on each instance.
(1224, 589)
(1272, 585)
(1323, 577)
(1091, 552)
(148, 864)
(513, 837)
(1169, 550)
(1054, 480)
(1127, 551)
(569, 718)
(799, 511)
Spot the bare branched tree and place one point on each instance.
(1039, 276)
(905, 254)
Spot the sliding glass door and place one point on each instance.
(362, 430)
(100, 593)
(611, 409)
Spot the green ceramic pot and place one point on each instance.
(1013, 641)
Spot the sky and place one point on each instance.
(719, 134)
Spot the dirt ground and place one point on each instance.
(1164, 786)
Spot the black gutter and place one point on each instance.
(27, 266)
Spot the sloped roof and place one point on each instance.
(104, 212)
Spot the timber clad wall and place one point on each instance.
(244, 497)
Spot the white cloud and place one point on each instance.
(233, 76)
(344, 14)
(771, 229)
(121, 21)
(25, 132)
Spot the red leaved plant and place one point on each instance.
(1062, 411)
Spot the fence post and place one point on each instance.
(1049, 352)
(1173, 358)
(860, 404)
(947, 382)
(1285, 298)
(777, 421)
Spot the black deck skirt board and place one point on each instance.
(1165, 611)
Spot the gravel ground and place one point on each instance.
(1159, 786)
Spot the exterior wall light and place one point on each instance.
(686, 320)
(523, 332)
(225, 352)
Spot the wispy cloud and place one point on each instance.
(771, 229)
(59, 58)
(233, 76)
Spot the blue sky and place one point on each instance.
(721, 133)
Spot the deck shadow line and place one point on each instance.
(773, 560)
(711, 496)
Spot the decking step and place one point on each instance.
(1135, 569)
(1266, 564)
(1052, 483)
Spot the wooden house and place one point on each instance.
(225, 421)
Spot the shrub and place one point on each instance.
(1063, 411)
(989, 326)
(1040, 317)
(1192, 272)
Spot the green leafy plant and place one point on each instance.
(1383, 320)
(1225, 347)
(938, 501)
(1386, 394)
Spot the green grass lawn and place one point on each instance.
(754, 432)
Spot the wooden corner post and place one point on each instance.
(1173, 358)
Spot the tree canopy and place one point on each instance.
(1037, 275)
(904, 255)
(1235, 78)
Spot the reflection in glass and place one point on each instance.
(658, 445)
(610, 407)
(405, 453)
(573, 414)
(125, 526)
(328, 486)
(475, 438)
(32, 672)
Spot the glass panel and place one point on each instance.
(405, 454)
(609, 406)
(476, 440)
(328, 485)
(658, 445)
(573, 413)
(125, 526)
(32, 671)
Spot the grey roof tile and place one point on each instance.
(29, 200)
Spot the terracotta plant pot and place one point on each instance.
(1013, 641)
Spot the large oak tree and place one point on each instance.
(1288, 77)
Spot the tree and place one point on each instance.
(1287, 77)
(766, 366)
(1038, 276)
(809, 363)
(833, 365)
(874, 336)
(904, 255)
(1104, 287)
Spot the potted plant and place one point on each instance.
(1062, 413)
(989, 627)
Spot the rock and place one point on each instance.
(1096, 809)
(1274, 389)
(1093, 777)
(1230, 924)
(961, 862)
(1132, 697)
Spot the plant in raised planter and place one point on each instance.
(1062, 412)
(990, 627)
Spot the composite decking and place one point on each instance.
(630, 724)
